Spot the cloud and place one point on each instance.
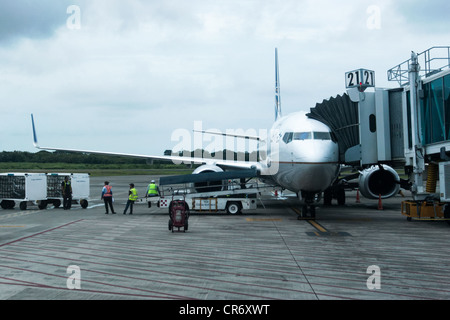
(424, 16)
(146, 68)
(31, 19)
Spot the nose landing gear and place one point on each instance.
(308, 210)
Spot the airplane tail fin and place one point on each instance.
(35, 142)
(277, 88)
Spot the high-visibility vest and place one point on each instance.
(133, 195)
(67, 187)
(108, 192)
(152, 189)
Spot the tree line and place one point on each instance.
(73, 157)
(65, 157)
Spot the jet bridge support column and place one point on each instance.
(416, 157)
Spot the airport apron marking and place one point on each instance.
(321, 230)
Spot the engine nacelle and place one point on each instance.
(375, 181)
(209, 186)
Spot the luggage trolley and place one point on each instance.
(178, 215)
(25, 188)
(80, 188)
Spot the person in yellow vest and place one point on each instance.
(152, 190)
(132, 197)
(66, 189)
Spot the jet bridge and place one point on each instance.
(405, 127)
(368, 126)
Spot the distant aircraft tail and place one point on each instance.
(35, 142)
(277, 88)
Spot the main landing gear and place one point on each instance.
(336, 192)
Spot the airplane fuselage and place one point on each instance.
(301, 155)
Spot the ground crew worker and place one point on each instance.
(152, 190)
(66, 188)
(107, 197)
(132, 197)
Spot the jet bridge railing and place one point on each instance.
(433, 60)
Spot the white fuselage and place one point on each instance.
(301, 155)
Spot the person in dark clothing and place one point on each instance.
(66, 187)
(107, 197)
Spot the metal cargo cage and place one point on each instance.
(80, 188)
(26, 188)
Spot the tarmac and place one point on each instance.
(348, 252)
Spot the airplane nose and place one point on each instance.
(320, 152)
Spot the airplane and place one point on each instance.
(301, 155)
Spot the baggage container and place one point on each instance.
(25, 188)
(80, 188)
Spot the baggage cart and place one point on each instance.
(80, 188)
(25, 188)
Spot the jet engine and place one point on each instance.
(209, 186)
(379, 180)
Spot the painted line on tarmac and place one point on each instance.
(39, 233)
(320, 230)
(263, 219)
(12, 226)
(317, 226)
(18, 214)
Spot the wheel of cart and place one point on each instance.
(178, 215)
(234, 207)
(84, 203)
(7, 204)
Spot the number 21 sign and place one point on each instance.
(360, 78)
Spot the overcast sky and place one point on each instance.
(124, 76)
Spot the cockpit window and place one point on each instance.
(302, 135)
(322, 136)
(289, 136)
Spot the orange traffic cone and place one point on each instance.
(357, 196)
(380, 204)
(276, 193)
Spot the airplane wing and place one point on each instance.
(230, 135)
(175, 159)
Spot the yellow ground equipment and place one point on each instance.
(424, 210)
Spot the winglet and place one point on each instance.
(35, 142)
